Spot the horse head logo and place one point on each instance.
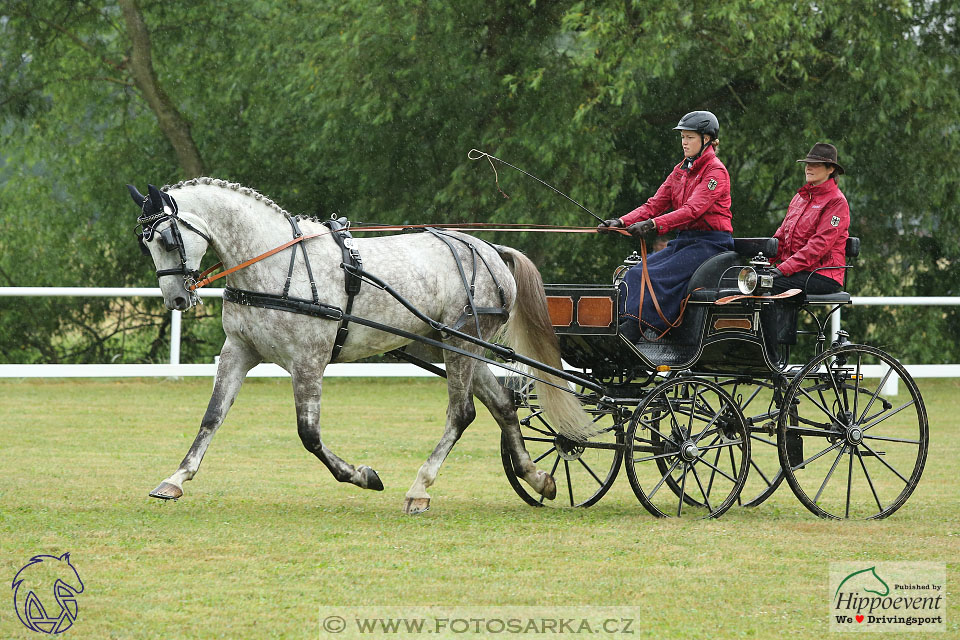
(45, 593)
(865, 580)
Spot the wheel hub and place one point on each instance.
(689, 451)
(568, 449)
(854, 435)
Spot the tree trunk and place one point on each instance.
(172, 123)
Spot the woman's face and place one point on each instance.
(690, 141)
(817, 172)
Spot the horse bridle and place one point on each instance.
(169, 239)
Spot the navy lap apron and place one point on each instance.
(670, 271)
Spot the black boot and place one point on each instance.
(630, 329)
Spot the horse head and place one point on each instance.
(175, 241)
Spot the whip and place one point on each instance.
(476, 154)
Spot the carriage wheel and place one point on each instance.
(854, 452)
(690, 435)
(758, 399)
(583, 474)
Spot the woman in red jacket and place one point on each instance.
(694, 200)
(813, 235)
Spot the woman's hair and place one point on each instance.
(714, 143)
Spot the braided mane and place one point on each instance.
(233, 186)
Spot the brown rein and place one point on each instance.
(204, 280)
(645, 281)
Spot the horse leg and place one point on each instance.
(498, 401)
(307, 383)
(460, 413)
(235, 361)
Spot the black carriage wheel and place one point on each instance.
(583, 474)
(685, 434)
(758, 399)
(854, 452)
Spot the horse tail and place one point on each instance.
(528, 331)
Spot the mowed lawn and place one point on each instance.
(264, 536)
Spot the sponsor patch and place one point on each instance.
(713, 185)
(835, 221)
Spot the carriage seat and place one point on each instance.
(852, 250)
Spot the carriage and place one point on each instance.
(715, 414)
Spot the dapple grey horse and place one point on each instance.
(182, 221)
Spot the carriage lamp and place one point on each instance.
(761, 268)
(747, 280)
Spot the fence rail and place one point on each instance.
(176, 369)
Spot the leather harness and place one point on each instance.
(339, 228)
(354, 276)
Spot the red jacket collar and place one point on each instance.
(705, 157)
(825, 188)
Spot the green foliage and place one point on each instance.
(369, 110)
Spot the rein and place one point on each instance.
(645, 282)
(203, 280)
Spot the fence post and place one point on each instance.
(892, 386)
(174, 337)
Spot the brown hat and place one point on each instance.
(826, 153)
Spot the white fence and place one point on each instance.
(175, 369)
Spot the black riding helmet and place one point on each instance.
(704, 123)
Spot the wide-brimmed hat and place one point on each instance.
(825, 153)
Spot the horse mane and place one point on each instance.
(232, 186)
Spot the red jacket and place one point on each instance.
(814, 232)
(696, 198)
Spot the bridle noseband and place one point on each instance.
(169, 239)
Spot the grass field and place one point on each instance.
(264, 536)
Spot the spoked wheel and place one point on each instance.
(689, 435)
(853, 452)
(759, 401)
(583, 471)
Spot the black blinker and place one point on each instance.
(168, 240)
(143, 245)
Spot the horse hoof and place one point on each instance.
(413, 506)
(167, 491)
(549, 490)
(370, 479)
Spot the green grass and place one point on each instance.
(264, 535)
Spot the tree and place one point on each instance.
(369, 111)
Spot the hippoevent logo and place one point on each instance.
(888, 596)
(45, 593)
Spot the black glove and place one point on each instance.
(609, 225)
(640, 229)
(776, 273)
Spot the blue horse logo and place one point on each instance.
(42, 577)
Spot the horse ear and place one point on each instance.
(156, 199)
(136, 195)
(66, 557)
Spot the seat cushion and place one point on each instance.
(752, 246)
(840, 297)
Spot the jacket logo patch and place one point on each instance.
(712, 184)
(835, 221)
